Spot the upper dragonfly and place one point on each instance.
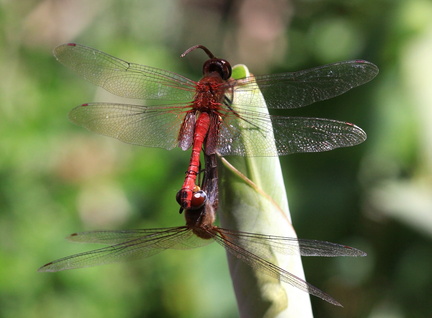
(184, 113)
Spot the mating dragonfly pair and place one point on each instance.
(202, 116)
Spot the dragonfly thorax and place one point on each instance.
(201, 221)
(210, 93)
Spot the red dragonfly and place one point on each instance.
(184, 113)
(252, 248)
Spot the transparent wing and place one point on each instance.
(259, 134)
(255, 250)
(122, 236)
(123, 78)
(289, 245)
(302, 88)
(130, 245)
(134, 124)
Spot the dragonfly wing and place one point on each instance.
(141, 244)
(123, 78)
(134, 124)
(301, 134)
(259, 134)
(258, 262)
(302, 88)
(289, 245)
(327, 249)
(125, 236)
(116, 237)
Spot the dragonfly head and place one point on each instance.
(195, 202)
(220, 66)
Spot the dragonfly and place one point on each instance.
(174, 111)
(252, 248)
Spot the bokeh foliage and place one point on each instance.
(56, 179)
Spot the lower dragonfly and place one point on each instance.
(252, 248)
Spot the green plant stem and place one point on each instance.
(259, 204)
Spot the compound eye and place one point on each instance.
(198, 199)
(181, 196)
(226, 69)
(220, 66)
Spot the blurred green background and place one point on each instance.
(56, 178)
